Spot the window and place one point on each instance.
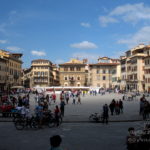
(65, 78)
(104, 78)
(98, 77)
(78, 69)
(65, 69)
(98, 71)
(78, 78)
(104, 71)
(71, 68)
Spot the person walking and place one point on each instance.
(105, 114)
(112, 107)
(57, 115)
(121, 106)
(67, 97)
(74, 99)
(54, 97)
(62, 108)
(79, 100)
(117, 109)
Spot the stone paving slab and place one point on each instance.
(77, 136)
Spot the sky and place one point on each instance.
(58, 30)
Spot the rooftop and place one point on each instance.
(104, 64)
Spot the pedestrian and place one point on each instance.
(62, 108)
(141, 106)
(57, 115)
(112, 107)
(120, 106)
(74, 100)
(67, 97)
(79, 100)
(55, 142)
(146, 110)
(62, 96)
(105, 114)
(54, 97)
(39, 113)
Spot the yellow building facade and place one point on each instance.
(73, 73)
(101, 72)
(13, 65)
(42, 73)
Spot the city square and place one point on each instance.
(76, 130)
(75, 75)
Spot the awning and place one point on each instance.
(17, 87)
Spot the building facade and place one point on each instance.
(56, 81)
(101, 72)
(42, 73)
(26, 77)
(132, 69)
(3, 74)
(116, 75)
(147, 68)
(73, 73)
(13, 65)
(123, 71)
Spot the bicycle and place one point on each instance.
(22, 122)
(96, 117)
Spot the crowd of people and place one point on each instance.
(21, 103)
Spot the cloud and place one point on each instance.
(86, 25)
(132, 13)
(141, 36)
(38, 53)
(104, 20)
(84, 45)
(3, 41)
(13, 48)
(91, 57)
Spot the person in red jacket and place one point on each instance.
(54, 97)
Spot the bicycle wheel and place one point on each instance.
(19, 124)
(34, 124)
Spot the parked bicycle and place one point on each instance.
(34, 122)
(96, 117)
